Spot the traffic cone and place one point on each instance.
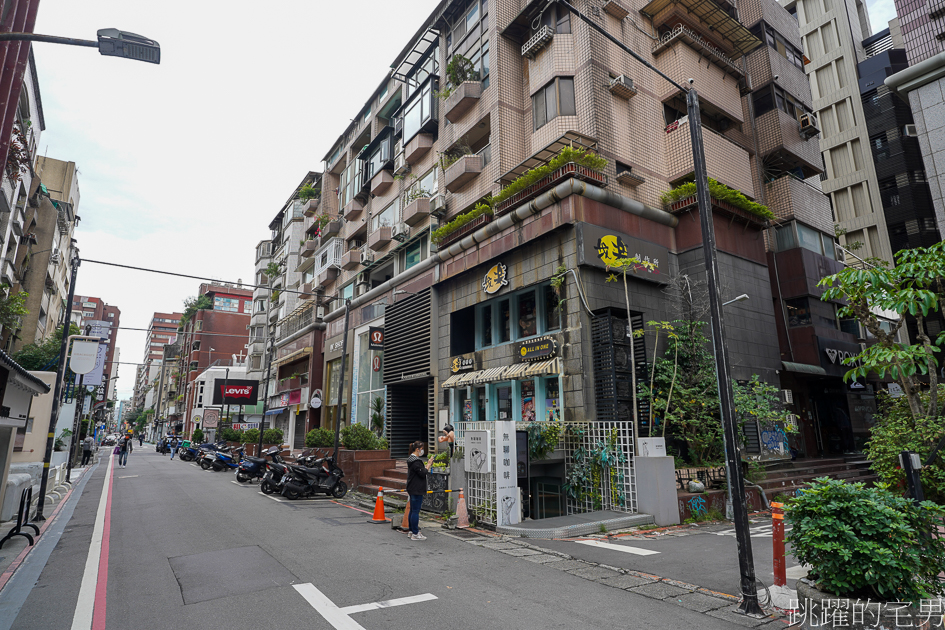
(461, 514)
(379, 508)
(405, 523)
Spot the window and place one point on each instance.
(369, 379)
(809, 239)
(414, 252)
(771, 96)
(552, 309)
(419, 111)
(247, 306)
(425, 186)
(229, 305)
(776, 41)
(557, 18)
(388, 216)
(798, 311)
(850, 326)
(486, 326)
(505, 319)
(379, 158)
(260, 306)
(553, 100)
(525, 314)
(784, 237)
(111, 315)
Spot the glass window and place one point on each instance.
(388, 216)
(527, 315)
(809, 239)
(370, 383)
(552, 400)
(829, 250)
(505, 331)
(556, 98)
(784, 235)
(487, 325)
(566, 97)
(414, 253)
(552, 311)
(798, 311)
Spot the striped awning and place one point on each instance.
(549, 366)
(453, 380)
(517, 371)
(504, 373)
(492, 375)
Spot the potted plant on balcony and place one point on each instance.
(684, 196)
(449, 232)
(458, 71)
(311, 195)
(569, 162)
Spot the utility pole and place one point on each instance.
(749, 593)
(57, 392)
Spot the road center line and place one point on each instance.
(624, 548)
(85, 605)
(400, 601)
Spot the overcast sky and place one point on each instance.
(183, 165)
(881, 11)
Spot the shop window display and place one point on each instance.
(524, 314)
(527, 323)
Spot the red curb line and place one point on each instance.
(101, 587)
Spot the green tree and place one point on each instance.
(12, 308)
(758, 401)
(194, 304)
(45, 355)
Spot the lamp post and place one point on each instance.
(110, 43)
(749, 603)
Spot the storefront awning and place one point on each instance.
(803, 368)
(517, 370)
(491, 376)
(549, 366)
(293, 356)
(453, 380)
(504, 373)
(273, 412)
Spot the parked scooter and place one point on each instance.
(207, 456)
(225, 460)
(324, 478)
(190, 453)
(255, 467)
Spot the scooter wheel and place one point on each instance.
(216, 467)
(241, 477)
(266, 487)
(292, 495)
(205, 465)
(340, 490)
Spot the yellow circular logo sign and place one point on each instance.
(610, 249)
(523, 351)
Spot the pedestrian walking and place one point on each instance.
(124, 447)
(87, 445)
(141, 439)
(447, 436)
(416, 487)
(173, 444)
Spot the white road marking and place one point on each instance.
(762, 531)
(128, 477)
(340, 618)
(241, 485)
(624, 548)
(796, 573)
(400, 601)
(85, 606)
(269, 496)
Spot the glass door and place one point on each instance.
(504, 401)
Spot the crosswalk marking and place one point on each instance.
(624, 548)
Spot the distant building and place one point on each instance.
(95, 309)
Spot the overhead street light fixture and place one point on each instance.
(740, 298)
(111, 43)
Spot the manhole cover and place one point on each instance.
(464, 534)
(217, 574)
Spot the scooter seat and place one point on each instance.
(256, 460)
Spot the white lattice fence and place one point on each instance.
(606, 487)
(480, 489)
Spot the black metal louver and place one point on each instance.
(613, 370)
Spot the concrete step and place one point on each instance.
(818, 469)
(396, 473)
(371, 490)
(796, 481)
(389, 482)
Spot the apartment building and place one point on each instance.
(162, 330)
(101, 319)
(474, 325)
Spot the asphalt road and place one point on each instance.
(188, 548)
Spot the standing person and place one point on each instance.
(124, 447)
(416, 487)
(87, 445)
(447, 435)
(141, 439)
(173, 444)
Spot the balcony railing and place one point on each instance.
(296, 322)
(329, 256)
(682, 32)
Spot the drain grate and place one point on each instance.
(465, 534)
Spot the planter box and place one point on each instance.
(463, 98)
(327, 277)
(437, 502)
(463, 171)
(381, 182)
(616, 9)
(379, 238)
(418, 147)
(308, 249)
(690, 204)
(472, 226)
(307, 290)
(353, 210)
(332, 228)
(310, 207)
(567, 171)
(251, 449)
(351, 259)
(416, 211)
(359, 466)
(355, 229)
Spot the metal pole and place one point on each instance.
(270, 348)
(746, 566)
(341, 379)
(226, 377)
(79, 402)
(57, 395)
(50, 39)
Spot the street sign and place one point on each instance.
(316, 401)
(84, 354)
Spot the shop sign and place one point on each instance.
(495, 279)
(506, 473)
(603, 248)
(235, 392)
(537, 349)
(414, 376)
(244, 426)
(336, 346)
(376, 338)
(477, 449)
(211, 417)
(376, 364)
(833, 353)
(462, 364)
(295, 397)
(895, 390)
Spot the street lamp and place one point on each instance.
(111, 43)
(740, 298)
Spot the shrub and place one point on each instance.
(566, 155)
(896, 430)
(358, 437)
(720, 192)
(445, 230)
(863, 542)
(251, 436)
(231, 435)
(543, 438)
(272, 436)
(319, 438)
(197, 436)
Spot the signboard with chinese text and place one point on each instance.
(508, 509)
(478, 451)
(601, 247)
(464, 363)
(495, 279)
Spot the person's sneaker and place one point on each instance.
(418, 537)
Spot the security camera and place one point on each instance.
(777, 76)
(691, 81)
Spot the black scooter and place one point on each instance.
(323, 478)
(255, 467)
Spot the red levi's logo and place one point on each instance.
(237, 391)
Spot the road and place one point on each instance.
(181, 547)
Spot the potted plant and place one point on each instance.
(870, 550)
(377, 415)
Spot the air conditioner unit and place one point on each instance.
(56, 257)
(910, 131)
(808, 126)
(787, 396)
(367, 257)
(537, 42)
(400, 164)
(438, 206)
(361, 289)
(622, 86)
(400, 232)
(791, 422)
(361, 277)
(319, 312)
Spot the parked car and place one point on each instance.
(110, 440)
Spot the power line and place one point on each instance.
(201, 333)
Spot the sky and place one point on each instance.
(183, 165)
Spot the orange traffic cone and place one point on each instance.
(461, 513)
(379, 508)
(405, 523)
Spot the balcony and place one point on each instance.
(789, 197)
(326, 277)
(351, 259)
(694, 40)
(725, 161)
(309, 248)
(353, 210)
(418, 147)
(463, 171)
(463, 98)
(379, 238)
(19, 218)
(713, 22)
(329, 255)
(355, 229)
(310, 207)
(416, 211)
(717, 83)
(381, 182)
(330, 229)
(782, 146)
(307, 291)
(8, 273)
(263, 250)
(616, 9)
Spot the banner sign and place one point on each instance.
(84, 355)
(243, 426)
(375, 338)
(95, 376)
(508, 509)
(601, 247)
(211, 417)
(478, 452)
(238, 392)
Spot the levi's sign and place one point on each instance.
(235, 392)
